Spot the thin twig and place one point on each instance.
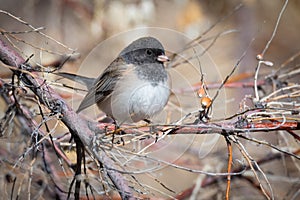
(35, 29)
(229, 164)
(253, 165)
(275, 28)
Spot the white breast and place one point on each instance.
(149, 100)
(137, 100)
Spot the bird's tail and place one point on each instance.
(88, 82)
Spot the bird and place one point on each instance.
(134, 87)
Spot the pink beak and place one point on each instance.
(163, 58)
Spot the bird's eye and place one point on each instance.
(148, 52)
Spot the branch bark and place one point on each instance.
(57, 105)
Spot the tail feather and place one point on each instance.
(88, 82)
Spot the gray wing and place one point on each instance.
(104, 84)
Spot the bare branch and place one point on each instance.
(57, 105)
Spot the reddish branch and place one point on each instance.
(229, 164)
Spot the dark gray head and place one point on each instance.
(142, 43)
(147, 54)
(144, 50)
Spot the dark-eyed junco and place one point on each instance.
(134, 87)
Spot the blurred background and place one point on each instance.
(83, 25)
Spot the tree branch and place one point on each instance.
(57, 105)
